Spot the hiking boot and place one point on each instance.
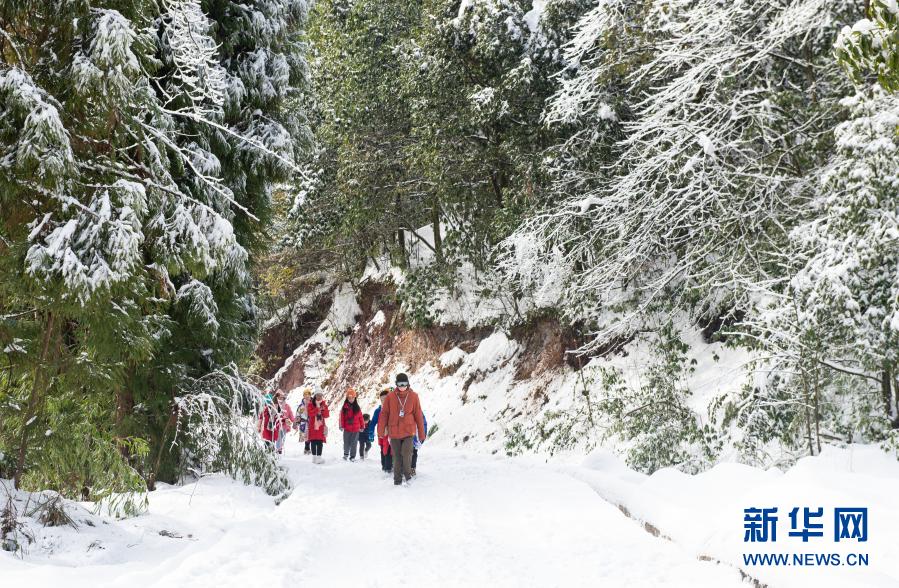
(352, 459)
(413, 472)
(397, 483)
(346, 457)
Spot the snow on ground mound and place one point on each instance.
(453, 357)
(705, 512)
(177, 519)
(492, 353)
(377, 321)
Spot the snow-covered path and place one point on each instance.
(465, 520)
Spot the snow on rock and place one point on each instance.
(495, 399)
(377, 321)
(344, 310)
(452, 357)
(493, 352)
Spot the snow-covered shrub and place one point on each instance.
(217, 417)
(653, 418)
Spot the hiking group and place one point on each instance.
(398, 423)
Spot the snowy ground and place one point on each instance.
(465, 519)
(468, 520)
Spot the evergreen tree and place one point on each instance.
(140, 142)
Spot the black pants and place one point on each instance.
(387, 460)
(317, 447)
(414, 458)
(306, 446)
(364, 446)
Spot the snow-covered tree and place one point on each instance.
(139, 142)
(716, 160)
(848, 288)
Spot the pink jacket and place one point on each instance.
(287, 417)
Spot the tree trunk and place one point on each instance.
(173, 419)
(808, 416)
(817, 410)
(497, 187)
(886, 391)
(37, 391)
(435, 223)
(400, 239)
(896, 396)
(124, 404)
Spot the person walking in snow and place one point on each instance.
(365, 437)
(287, 418)
(351, 423)
(269, 422)
(383, 442)
(318, 430)
(399, 420)
(302, 421)
(416, 444)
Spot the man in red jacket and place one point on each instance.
(400, 419)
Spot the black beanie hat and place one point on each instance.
(402, 379)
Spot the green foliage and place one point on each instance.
(659, 427)
(417, 294)
(871, 47)
(134, 194)
(425, 115)
(217, 432)
(517, 441)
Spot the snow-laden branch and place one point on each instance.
(711, 172)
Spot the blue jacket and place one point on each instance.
(415, 442)
(367, 432)
(373, 424)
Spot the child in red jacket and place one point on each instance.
(318, 430)
(351, 423)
